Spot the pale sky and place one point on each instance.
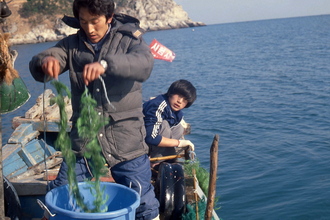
(224, 11)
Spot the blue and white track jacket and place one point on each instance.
(155, 111)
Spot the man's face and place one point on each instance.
(177, 102)
(95, 26)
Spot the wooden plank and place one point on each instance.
(48, 149)
(53, 112)
(9, 149)
(37, 110)
(195, 195)
(49, 126)
(40, 125)
(27, 157)
(23, 134)
(18, 158)
(38, 150)
(38, 168)
(30, 186)
(12, 165)
(22, 168)
(44, 108)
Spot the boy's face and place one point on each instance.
(95, 26)
(177, 102)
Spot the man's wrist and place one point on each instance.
(104, 64)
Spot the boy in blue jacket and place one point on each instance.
(163, 119)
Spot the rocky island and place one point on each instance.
(153, 15)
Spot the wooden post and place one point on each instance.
(2, 198)
(195, 193)
(213, 177)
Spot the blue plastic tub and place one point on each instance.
(121, 204)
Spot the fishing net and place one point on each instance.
(193, 168)
(202, 174)
(191, 213)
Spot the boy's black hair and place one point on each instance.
(184, 88)
(97, 7)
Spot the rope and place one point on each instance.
(106, 94)
(45, 138)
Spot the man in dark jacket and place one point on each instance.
(108, 47)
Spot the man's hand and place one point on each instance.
(50, 66)
(186, 143)
(92, 72)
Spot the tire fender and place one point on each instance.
(171, 190)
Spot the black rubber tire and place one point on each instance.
(179, 192)
(171, 190)
(12, 203)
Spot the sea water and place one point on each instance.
(264, 88)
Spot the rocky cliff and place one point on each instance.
(153, 15)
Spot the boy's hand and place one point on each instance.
(186, 143)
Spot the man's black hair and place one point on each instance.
(96, 7)
(184, 88)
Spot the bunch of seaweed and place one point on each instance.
(88, 125)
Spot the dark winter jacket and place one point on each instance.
(130, 63)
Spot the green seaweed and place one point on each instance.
(63, 142)
(88, 125)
